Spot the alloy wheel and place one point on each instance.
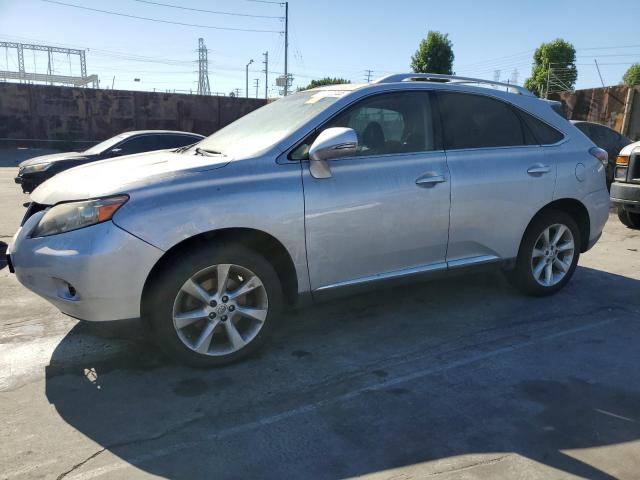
(552, 255)
(220, 309)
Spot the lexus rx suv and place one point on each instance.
(327, 191)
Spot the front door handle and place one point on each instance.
(428, 180)
(538, 169)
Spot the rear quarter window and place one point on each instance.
(543, 133)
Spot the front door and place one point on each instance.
(385, 211)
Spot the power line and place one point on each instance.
(149, 19)
(216, 12)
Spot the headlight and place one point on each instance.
(38, 167)
(73, 215)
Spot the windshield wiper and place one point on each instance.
(182, 149)
(204, 151)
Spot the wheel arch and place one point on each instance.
(257, 240)
(577, 210)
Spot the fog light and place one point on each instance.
(71, 289)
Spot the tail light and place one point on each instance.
(600, 154)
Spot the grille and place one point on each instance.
(634, 168)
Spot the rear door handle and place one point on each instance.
(428, 180)
(539, 169)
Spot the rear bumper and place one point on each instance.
(597, 204)
(626, 195)
(95, 273)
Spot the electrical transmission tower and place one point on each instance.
(203, 69)
(50, 77)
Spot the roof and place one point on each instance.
(143, 132)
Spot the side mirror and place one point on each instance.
(332, 143)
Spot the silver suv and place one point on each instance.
(330, 190)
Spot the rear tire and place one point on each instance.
(548, 254)
(629, 219)
(199, 312)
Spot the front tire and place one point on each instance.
(548, 254)
(214, 305)
(629, 219)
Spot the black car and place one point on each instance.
(607, 139)
(36, 170)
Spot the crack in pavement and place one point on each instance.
(490, 461)
(168, 431)
(321, 403)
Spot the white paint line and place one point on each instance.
(316, 405)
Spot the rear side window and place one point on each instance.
(543, 133)
(174, 141)
(144, 143)
(476, 121)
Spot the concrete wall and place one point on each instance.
(617, 107)
(30, 114)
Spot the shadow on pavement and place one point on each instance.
(394, 378)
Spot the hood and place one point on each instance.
(54, 157)
(629, 148)
(119, 175)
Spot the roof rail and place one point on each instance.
(439, 77)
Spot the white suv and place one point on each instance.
(329, 190)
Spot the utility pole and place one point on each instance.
(237, 90)
(257, 84)
(266, 74)
(246, 79)
(546, 95)
(286, 48)
(368, 74)
(599, 74)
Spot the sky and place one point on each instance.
(326, 38)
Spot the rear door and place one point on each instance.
(500, 177)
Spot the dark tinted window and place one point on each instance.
(476, 121)
(543, 133)
(389, 123)
(143, 143)
(175, 141)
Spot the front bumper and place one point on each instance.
(626, 195)
(95, 273)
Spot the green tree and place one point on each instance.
(632, 76)
(325, 81)
(434, 54)
(554, 64)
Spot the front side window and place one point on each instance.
(386, 124)
(476, 121)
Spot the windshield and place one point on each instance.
(102, 146)
(270, 124)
